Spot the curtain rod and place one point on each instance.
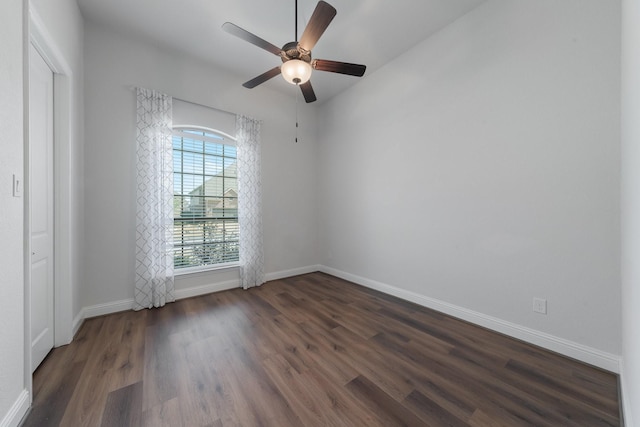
(205, 106)
(133, 88)
(209, 106)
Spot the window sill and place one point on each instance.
(205, 269)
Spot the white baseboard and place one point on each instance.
(592, 356)
(293, 272)
(17, 411)
(624, 399)
(107, 308)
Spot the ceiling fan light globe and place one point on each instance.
(296, 72)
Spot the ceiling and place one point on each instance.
(370, 32)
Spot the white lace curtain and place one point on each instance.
(249, 202)
(154, 283)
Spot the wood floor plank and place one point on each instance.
(350, 318)
(459, 375)
(160, 376)
(450, 392)
(129, 362)
(167, 414)
(324, 353)
(355, 352)
(90, 394)
(84, 342)
(378, 367)
(194, 383)
(310, 350)
(218, 392)
(243, 360)
(431, 412)
(124, 407)
(384, 406)
(316, 403)
(483, 419)
(54, 395)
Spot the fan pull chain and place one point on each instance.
(296, 39)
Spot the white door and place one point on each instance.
(41, 206)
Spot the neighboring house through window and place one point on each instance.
(205, 231)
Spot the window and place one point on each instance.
(205, 230)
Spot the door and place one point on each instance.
(41, 206)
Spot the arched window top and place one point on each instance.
(204, 134)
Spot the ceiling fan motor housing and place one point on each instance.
(292, 50)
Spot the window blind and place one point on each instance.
(205, 231)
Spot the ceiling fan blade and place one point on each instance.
(262, 78)
(307, 92)
(251, 38)
(339, 67)
(320, 20)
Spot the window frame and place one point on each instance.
(178, 130)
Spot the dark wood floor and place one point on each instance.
(311, 350)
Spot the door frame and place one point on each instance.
(63, 131)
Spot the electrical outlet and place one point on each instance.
(540, 305)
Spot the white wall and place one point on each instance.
(631, 209)
(11, 227)
(481, 169)
(115, 64)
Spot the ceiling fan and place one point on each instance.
(297, 63)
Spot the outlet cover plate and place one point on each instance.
(540, 305)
